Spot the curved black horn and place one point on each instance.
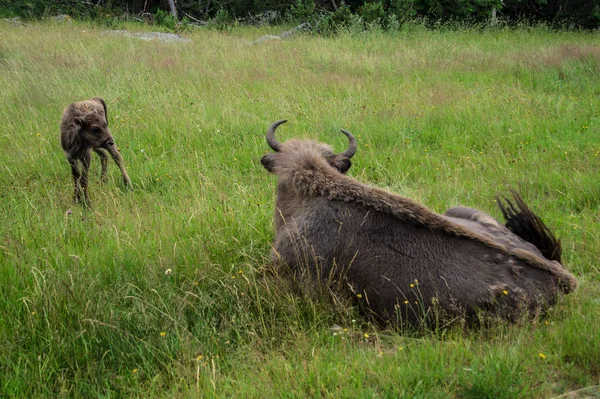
(273, 143)
(349, 153)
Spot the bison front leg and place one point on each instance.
(116, 155)
(103, 161)
(85, 160)
(76, 176)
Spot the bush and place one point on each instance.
(35, 9)
(302, 11)
(578, 13)
(221, 20)
(468, 10)
(403, 10)
(332, 22)
(372, 13)
(165, 19)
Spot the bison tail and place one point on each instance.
(523, 222)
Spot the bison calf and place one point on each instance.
(83, 128)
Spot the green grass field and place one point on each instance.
(159, 291)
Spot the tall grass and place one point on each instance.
(159, 292)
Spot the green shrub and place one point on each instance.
(302, 11)
(222, 20)
(557, 13)
(35, 9)
(332, 22)
(469, 10)
(403, 9)
(165, 19)
(372, 13)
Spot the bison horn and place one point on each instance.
(273, 143)
(349, 153)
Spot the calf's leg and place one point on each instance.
(76, 176)
(85, 161)
(119, 161)
(103, 161)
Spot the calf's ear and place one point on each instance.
(268, 161)
(101, 101)
(79, 121)
(342, 164)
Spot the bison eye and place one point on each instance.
(96, 130)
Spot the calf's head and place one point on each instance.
(93, 125)
(293, 152)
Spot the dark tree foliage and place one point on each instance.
(472, 10)
(557, 13)
(579, 13)
(40, 8)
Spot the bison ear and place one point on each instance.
(268, 161)
(342, 164)
(79, 121)
(101, 101)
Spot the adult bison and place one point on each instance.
(404, 261)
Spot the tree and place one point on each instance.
(173, 9)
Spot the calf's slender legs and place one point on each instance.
(80, 176)
(76, 175)
(103, 161)
(116, 156)
(85, 161)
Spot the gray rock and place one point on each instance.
(268, 38)
(16, 21)
(285, 35)
(160, 36)
(62, 18)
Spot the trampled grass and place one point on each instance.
(158, 292)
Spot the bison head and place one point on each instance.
(93, 126)
(276, 162)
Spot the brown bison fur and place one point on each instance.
(83, 128)
(406, 262)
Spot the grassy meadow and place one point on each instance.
(159, 291)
